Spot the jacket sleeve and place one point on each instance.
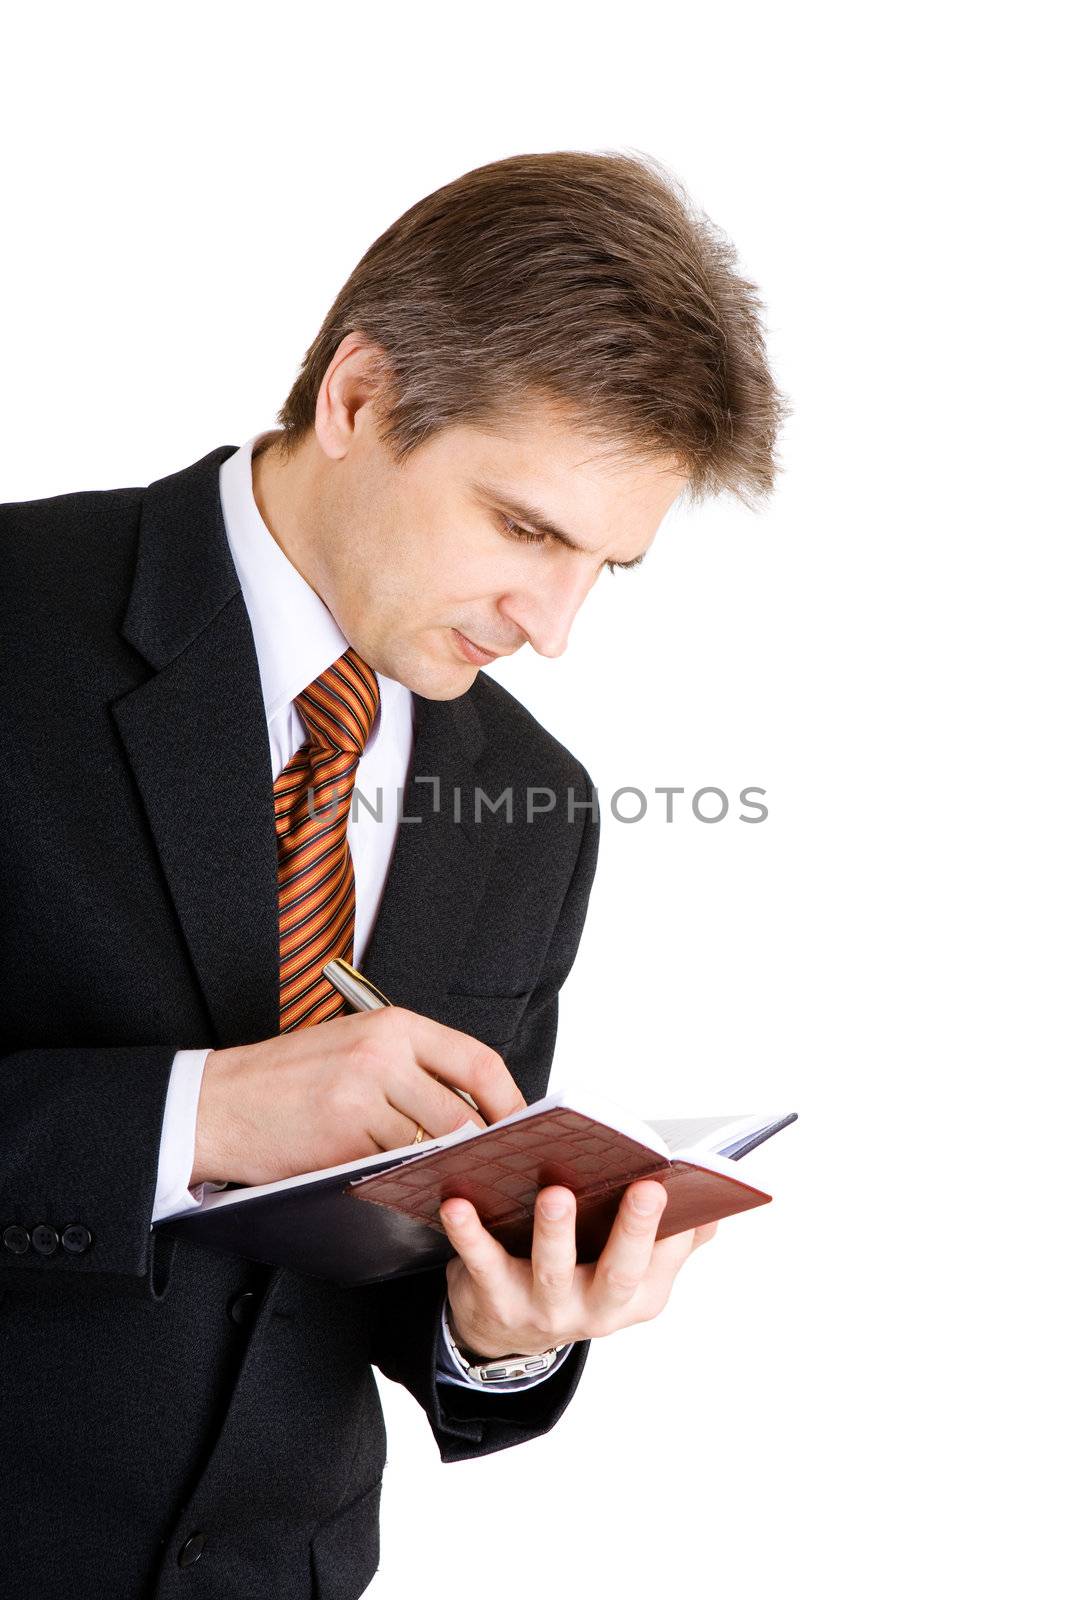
(403, 1314)
(78, 1156)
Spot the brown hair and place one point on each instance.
(577, 277)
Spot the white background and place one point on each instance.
(852, 1390)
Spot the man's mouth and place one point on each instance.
(474, 652)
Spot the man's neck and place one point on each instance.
(272, 502)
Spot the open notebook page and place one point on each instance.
(697, 1136)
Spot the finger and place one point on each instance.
(414, 1100)
(668, 1255)
(463, 1061)
(625, 1259)
(667, 1259)
(553, 1254)
(395, 1127)
(483, 1256)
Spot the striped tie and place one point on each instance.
(312, 801)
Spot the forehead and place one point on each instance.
(542, 454)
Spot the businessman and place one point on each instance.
(246, 731)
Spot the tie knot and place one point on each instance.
(339, 707)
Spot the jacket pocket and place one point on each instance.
(492, 1018)
(346, 1550)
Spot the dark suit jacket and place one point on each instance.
(151, 1392)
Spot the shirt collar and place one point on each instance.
(295, 633)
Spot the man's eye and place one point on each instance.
(515, 530)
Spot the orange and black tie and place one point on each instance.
(312, 801)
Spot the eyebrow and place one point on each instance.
(536, 518)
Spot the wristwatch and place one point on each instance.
(498, 1369)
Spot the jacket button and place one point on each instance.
(45, 1240)
(242, 1308)
(16, 1239)
(76, 1239)
(191, 1550)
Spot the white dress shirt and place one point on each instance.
(296, 638)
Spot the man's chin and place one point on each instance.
(434, 680)
(448, 686)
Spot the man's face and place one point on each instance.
(424, 564)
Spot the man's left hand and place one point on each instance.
(502, 1304)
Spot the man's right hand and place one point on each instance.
(317, 1097)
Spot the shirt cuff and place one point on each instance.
(450, 1371)
(177, 1142)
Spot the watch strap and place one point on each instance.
(498, 1369)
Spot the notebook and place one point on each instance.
(376, 1217)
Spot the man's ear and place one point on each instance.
(358, 371)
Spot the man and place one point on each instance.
(518, 380)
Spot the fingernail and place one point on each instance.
(644, 1203)
(554, 1208)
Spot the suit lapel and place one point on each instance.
(196, 739)
(439, 864)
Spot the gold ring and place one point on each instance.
(420, 1134)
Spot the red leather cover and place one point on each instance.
(502, 1169)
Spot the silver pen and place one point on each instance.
(362, 995)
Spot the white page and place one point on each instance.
(693, 1135)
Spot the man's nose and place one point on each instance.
(545, 614)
